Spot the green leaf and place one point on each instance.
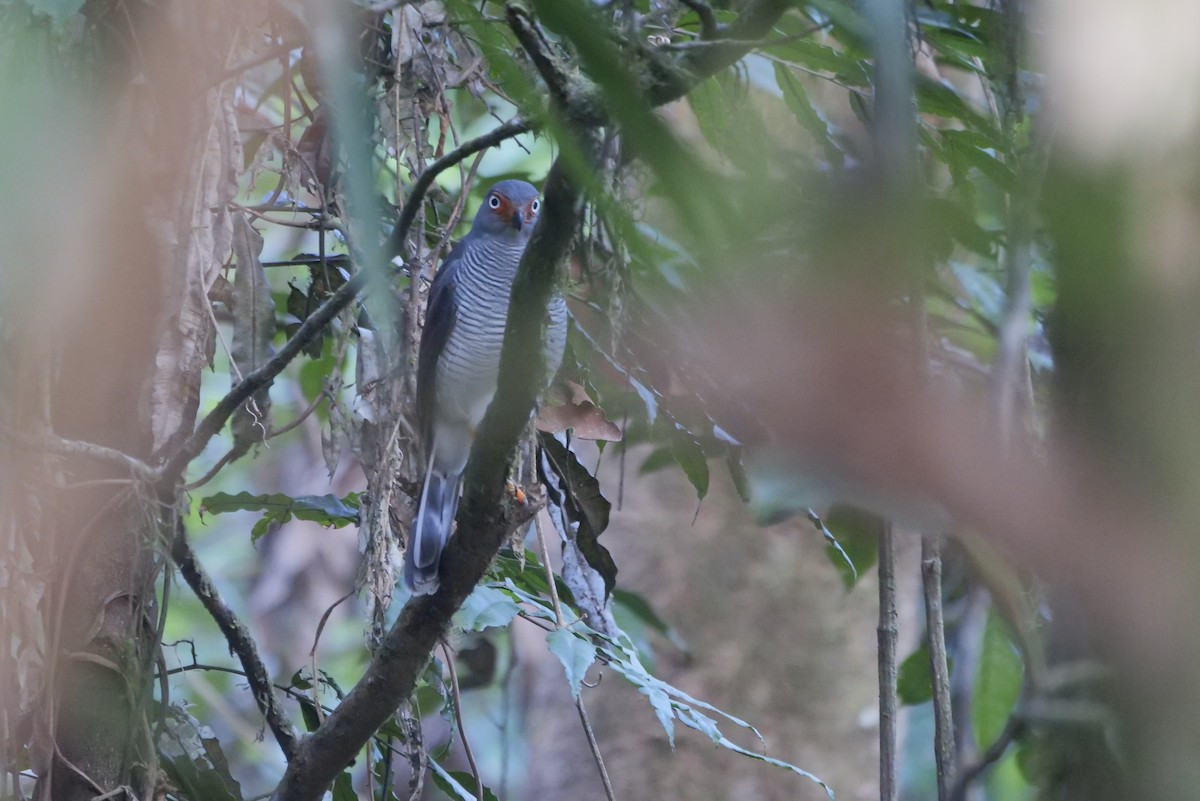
(328, 510)
(455, 784)
(998, 682)
(914, 684)
(656, 460)
(857, 536)
(737, 472)
(712, 111)
(486, 607)
(343, 788)
(575, 653)
(314, 372)
(641, 609)
(970, 149)
(193, 760)
(941, 100)
(308, 712)
(690, 457)
(798, 102)
(663, 710)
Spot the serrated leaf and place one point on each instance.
(701, 723)
(575, 653)
(486, 607)
(663, 709)
(997, 683)
(724, 742)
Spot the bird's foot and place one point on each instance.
(516, 492)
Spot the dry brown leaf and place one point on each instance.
(580, 414)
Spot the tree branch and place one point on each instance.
(662, 80)
(316, 322)
(709, 29)
(583, 105)
(886, 634)
(943, 740)
(68, 447)
(239, 639)
(483, 522)
(416, 193)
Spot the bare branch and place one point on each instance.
(66, 447)
(416, 194)
(935, 625)
(1012, 727)
(708, 21)
(484, 522)
(239, 639)
(887, 634)
(458, 719)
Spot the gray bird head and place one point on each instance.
(509, 210)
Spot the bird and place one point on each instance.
(459, 360)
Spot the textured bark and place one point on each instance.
(114, 360)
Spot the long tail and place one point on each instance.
(430, 531)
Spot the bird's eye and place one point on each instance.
(535, 205)
(494, 202)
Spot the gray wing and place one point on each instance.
(440, 315)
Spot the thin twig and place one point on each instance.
(458, 719)
(545, 553)
(887, 633)
(562, 623)
(591, 738)
(225, 459)
(416, 192)
(1012, 728)
(943, 716)
(312, 652)
(300, 418)
(698, 44)
(239, 639)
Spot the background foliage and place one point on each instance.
(983, 341)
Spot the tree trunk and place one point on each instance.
(118, 332)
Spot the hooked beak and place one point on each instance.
(517, 220)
